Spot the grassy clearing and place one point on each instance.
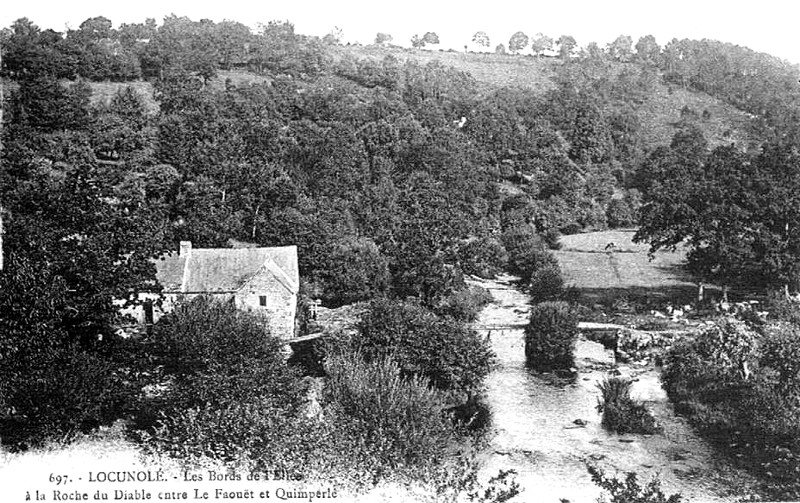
(102, 92)
(487, 68)
(662, 111)
(588, 262)
(623, 277)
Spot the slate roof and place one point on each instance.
(217, 270)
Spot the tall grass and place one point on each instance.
(621, 413)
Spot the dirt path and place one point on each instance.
(536, 434)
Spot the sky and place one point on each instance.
(769, 26)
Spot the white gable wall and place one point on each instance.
(281, 303)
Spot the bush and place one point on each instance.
(443, 350)
(546, 284)
(621, 413)
(64, 392)
(527, 252)
(550, 336)
(50, 386)
(219, 354)
(630, 491)
(484, 257)
(396, 420)
(237, 432)
(781, 353)
(465, 305)
(782, 309)
(354, 271)
(620, 214)
(750, 410)
(231, 394)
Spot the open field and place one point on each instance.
(599, 270)
(496, 70)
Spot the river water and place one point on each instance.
(535, 431)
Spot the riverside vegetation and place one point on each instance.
(394, 178)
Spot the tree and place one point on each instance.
(518, 42)
(431, 38)
(481, 39)
(566, 45)
(443, 350)
(334, 37)
(383, 38)
(355, 271)
(620, 48)
(734, 213)
(541, 43)
(232, 40)
(648, 50)
(500, 49)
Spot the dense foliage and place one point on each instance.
(621, 413)
(740, 388)
(440, 349)
(550, 336)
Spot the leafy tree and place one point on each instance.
(566, 45)
(417, 42)
(481, 39)
(430, 38)
(355, 271)
(232, 40)
(334, 37)
(647, 50)
(219, 354)
(383, 38)
(620, 48)
(541, 43)
(29, 52)
(441, 349)
(500, 49)
(518, 42)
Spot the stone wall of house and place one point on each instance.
(281, 305)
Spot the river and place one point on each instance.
(534, 429)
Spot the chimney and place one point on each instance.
(186, 248)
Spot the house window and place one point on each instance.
(262, 300)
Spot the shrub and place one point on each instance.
(355, 270)
(782, 309)
(50, 386)
(231, 394)
(238, 431)
(781, 353)
(620, 214)
(621, 413)
(396, 420)
(443, 350)
(527, 252)
(483, 257)
(426, 278)
(464, 305)
(66, 391)
(749, 410)
(630, 491)
(550, 336)
(219, 354)
(546, 284)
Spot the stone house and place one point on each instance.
(260, 280)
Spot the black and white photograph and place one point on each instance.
(350, 251)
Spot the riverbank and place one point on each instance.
(548, 429)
